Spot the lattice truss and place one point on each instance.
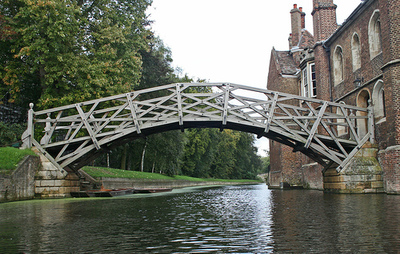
(327, 132)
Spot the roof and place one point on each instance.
(306, 40)
(285, 62)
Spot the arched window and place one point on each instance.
(356, 52)
(374, 35)
(378, 100)
(363, 100)
(338, 65)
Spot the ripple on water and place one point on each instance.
(244, 219)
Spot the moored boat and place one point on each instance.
(152, 190)
(116, 192)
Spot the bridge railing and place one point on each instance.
(326, 131)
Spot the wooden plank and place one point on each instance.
(225, 103)
(179, 99)
(271, 113)
(88, 127)
(225, 109)
(133, 112)
(316, 124)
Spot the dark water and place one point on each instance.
(239, 219)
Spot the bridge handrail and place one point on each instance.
(193, 84)
(309, 125)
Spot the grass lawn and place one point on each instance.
(98, 172)
(119, 173)
(10, 157)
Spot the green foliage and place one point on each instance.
(199, 152)
(159, 152)
(228, 154)
(72, 50)
(10, 134)
(57, 52)
(265, 164)
(10, 157)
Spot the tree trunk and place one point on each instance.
(123, 157)
(143, 153)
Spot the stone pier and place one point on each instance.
(362, 175)
(51, 182)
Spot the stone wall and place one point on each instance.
(52, 183)
(121, 183)
(20, 184)
(312, 176)
(363, 174)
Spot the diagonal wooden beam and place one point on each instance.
(316, 124)
(271, 113)
(89, 129)
(133, 109)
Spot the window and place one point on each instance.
(338, 65)
(378, 100)
(309, 81)
(305, 83)
(313, 79)
(374, 35)
(356, 52)
(363, 101)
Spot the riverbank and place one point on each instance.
(109, 178)
(26, 175)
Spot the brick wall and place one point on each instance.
(384, 66)
(324, 19)
(390, 24)
(285, 164)
(390, 161)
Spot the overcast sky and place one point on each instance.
(230, 40)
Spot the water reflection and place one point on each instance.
(226, 219)
(314, 222)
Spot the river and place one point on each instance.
(239, 219)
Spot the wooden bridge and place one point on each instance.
(71, 136)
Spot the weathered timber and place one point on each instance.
(74, 134)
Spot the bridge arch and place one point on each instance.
(70, 136)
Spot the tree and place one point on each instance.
(248, 163)
(73, 50)
(200, 151)
(158, 152)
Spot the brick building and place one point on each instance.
(356, 63)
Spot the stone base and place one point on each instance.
(312, 176)
(362, 175)
(59, 188)
(52, 183)
(274, 179)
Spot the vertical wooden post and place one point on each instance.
(30, 129)
(371, 125)
(179, 100)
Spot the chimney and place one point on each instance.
(295, 15)
(303, 18)
(324, 19)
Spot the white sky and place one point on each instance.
(230, 40)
